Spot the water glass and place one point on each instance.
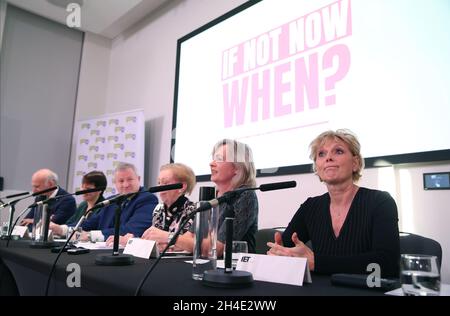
(205, 241)
(75, 236)
(238, 247)
(419, 275)
(4, 228)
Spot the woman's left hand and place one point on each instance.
(156, 234)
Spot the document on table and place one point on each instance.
(99, 245)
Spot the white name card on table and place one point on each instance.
(276, 269)
(141, 248)
(21, 231)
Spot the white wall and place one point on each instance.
(141, 75)
(92, 86)
(142, 72)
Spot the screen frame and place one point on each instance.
(425, 175)
(370, 162)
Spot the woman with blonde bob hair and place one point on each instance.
(241, 156)
(232, 167)
(350, 227)
(345, 136)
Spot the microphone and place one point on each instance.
(68, 194)
(166, 187)
(44, 191)
(204, 206)
(119, 198)
(30, 194)
(16, 195)
(277, 186)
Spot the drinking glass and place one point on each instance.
(237, 248)
(419, 275)
(75, 236)
(4, 228)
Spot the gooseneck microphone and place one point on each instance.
(55, 198)
(121, 197)
(277, 186)
(204, 206)
(46, 216)
(30, 194)
(232, 194)
(167, 187)
(12, 205)
(16, 195)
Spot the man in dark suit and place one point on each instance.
(61, 209)
(137, 210)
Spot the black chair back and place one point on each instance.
(263, 236)
(416, 244)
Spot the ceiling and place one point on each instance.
(108, 18)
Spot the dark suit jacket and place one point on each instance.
(135, 218)
(61, 210)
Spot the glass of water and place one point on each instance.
(4, 228)
(419, 275)
(237, 248)
(76, 236)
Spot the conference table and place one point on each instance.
(30, 268)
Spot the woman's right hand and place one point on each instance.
(299, 249)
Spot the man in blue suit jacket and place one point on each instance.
(61, 209)
(137, 210)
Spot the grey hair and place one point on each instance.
(123, 166)
(52, 176)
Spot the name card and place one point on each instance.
(276, 269)
(141, 248)
(21, 231)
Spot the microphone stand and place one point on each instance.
(14, 225)
(12, 210)
(227, 278)
(44, 244)
(46, 211)
(116, 259)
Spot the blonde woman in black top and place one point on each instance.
(349, 227)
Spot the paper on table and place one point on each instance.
(278, 269)
(99, 245)
(445, 291)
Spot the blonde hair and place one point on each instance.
(347, 137)
(182, 173)
(241, 156)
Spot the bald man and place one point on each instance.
(62, 209)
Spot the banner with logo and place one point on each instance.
(102, 142)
